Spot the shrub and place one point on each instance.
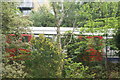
(14, 69)
(13, 64)
(46, 60)
(76, 70)
(83, 48)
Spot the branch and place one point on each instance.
(74, 23)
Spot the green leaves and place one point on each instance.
(94, 11)
(46, 60)
(42, 18)
(14, 70)
(81, 15)
(12, 20)
(76, 70)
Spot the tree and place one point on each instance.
(87, 15)
(46, 59)
(99, 10)
(78, 14)
(12, 23)
(42, 17)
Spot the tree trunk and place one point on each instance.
(58, 22)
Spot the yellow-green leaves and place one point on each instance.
(46, 60)
(14, 70)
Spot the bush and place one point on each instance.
(83, 48)
(13, 64)
(76, 70)
(14, 69)
(46, 60)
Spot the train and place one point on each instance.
(51, 32)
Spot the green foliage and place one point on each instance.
(14, 69)
(96, 13)
(12, 21)
(42, 18)
(100, 70)
(103, 23)
(76, 70)
(14, 46)
(13, 66)
(77, 14)
(79, 48)
(46, 60)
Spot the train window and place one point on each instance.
(25, 39)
